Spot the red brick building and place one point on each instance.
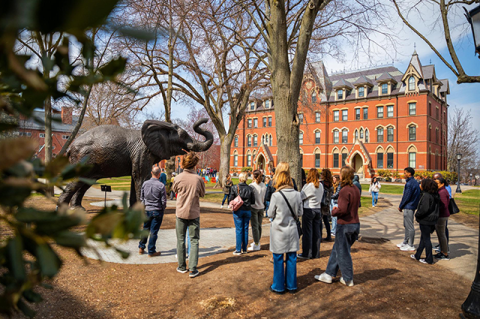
(372, 119)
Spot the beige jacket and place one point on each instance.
(189, 188)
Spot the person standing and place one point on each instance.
(242, 216)
(356, 182)
(268, 193)
(374, 190)
(285, 208)
(348, 228)
(435, 176)
(227, 185)
(312, 193)
(427, 215)
(259, 189)
(327, 183)
(189, 188)
(336, 193)
(441, 225)
(408, 205)
(154, 196)
(163, 177)
(172, 192)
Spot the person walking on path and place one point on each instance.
(441, 225)
(374, 190)
(348, 228)
(189, 188)
(163, 177)
(259, 189)
(242, 216)
(408, 205)
(285, 208)
(427, 215)
(154, 196)
(336, 192)
(312, 193)
(227, 185)
(435, 176)
(327, 183)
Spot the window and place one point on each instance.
(344, 115)
(300, 118)
(361, 133)
(365, 114)
(235, 141)
(263, 139)
(255, 142)
(249, 160)
(41, 135)
(300, 138)
(252, 106)
(384, 88)
(266, 139)
(317, 137)
(361, 91)
(412, 133)
(264, 122)
(270, 140)
(412, 159)
(380, 112)
(26, 134)
(335, 160)
(249, 123)
(235, 160)
(379, 160)
(438, 114)
(389, 134)
(389, 160)
(344, 136)
(269, 121)
(356, 135)
(412, 108)
(335, 137)
(344, 158)
(314, 97)
(367, 136)
(249, 141)
(267, 104)
(317, 117)
(411, 83)
(255, 123)
(436, 135)
(65, 137)
(340, 94)
(336, 115)
(429, 110)
(317, 160)
(357, 114)
(380, 134)
(390, 111)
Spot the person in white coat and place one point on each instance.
(285, 208)
(259, 189)
(374, 189)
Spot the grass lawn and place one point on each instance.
(386, 189)
(469, 201)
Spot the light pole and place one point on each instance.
(459, 157)
(476, 178)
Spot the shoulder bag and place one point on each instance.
(299, 226)
(452, 207)
(237, 202)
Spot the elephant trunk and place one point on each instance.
(202, 146)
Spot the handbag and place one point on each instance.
(452, 207)
(297, 221)
(237, 202)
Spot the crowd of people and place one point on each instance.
(324, 198)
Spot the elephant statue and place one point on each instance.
(114, 151)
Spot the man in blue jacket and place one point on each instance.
(163, 177)
(409, 203)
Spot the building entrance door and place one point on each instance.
(261, 162)
(358, 165)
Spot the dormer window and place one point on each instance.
(384, 89)
(361, 91)
(340, 94)
(252, 106)
(267, 104)
(411, 83)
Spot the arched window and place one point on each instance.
(336, 158)
(367, 136)
(317, 158)
(317, 137)
(390, 134)
(271, 140)
(235, 159)
(412, 133)
(266, 139)
(249, 140)
(255, 140)
(263, 139)
(380, 134)
(356, 135)
(314, 97)
(249, 160)
(411, 83)
(300, 138)
(361, 133)
(335, 136)
(267, 104)
(344, 136)
(412, 157)
(235, 142)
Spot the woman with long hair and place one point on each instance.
(374, 189)
(283, 167)
(443, 219)
(312, 193)
(327, 182)
(335, 194)
(348, 228)
(285, 208)
(259, 189)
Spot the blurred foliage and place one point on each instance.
(27, 257)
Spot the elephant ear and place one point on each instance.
(157, 135)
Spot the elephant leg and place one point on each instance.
(78, 196)
(69, 192)
(133, 193)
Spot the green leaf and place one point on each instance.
(32, 215)
(15, 262)
(48, 260)
(140, 34)
(47, 63)
(55, 167)
(57, 224)
(114, 67)
(32, 296)
(70, 239)
(88, 181)
(124, 254)
(26, 310)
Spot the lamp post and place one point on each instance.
(473, 17)
(476, 178)
(459, 157)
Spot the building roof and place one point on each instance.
(363, 80)
(415, 62)
(428, 71)
(386, 77)
(445, 86)
(37, 122)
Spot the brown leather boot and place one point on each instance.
(155, 254)
(141, 251)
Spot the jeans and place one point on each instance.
(327, 226)
(155, 218)
(225, 198)
(374, 198)
(257, 219)
(193, 226)
(284, 276)
(425, 243)
(241, 219)
(334, 219)
(340, 257)
(312, 232)
(409, 227)
(442, 237)
(172, 195)
(267, 205)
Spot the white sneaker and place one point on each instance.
(407, 248)
(346, 283)
(326, 278)
(254, 247)
(401, 245)
(221, 206)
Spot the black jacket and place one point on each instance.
(428, 209)
(269, 192)
(246, 193)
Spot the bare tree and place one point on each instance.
(447, 11)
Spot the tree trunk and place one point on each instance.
(225, 147)
(48, 136)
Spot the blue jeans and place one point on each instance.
(374, 198)
(334, 219)
(267, 204)
(155, 218)
(340, 257)
(284, 277)
(225, 198)
(241, 219)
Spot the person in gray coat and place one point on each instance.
(285, 207)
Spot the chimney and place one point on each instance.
(67, 115)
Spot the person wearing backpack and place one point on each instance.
(242, 215)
